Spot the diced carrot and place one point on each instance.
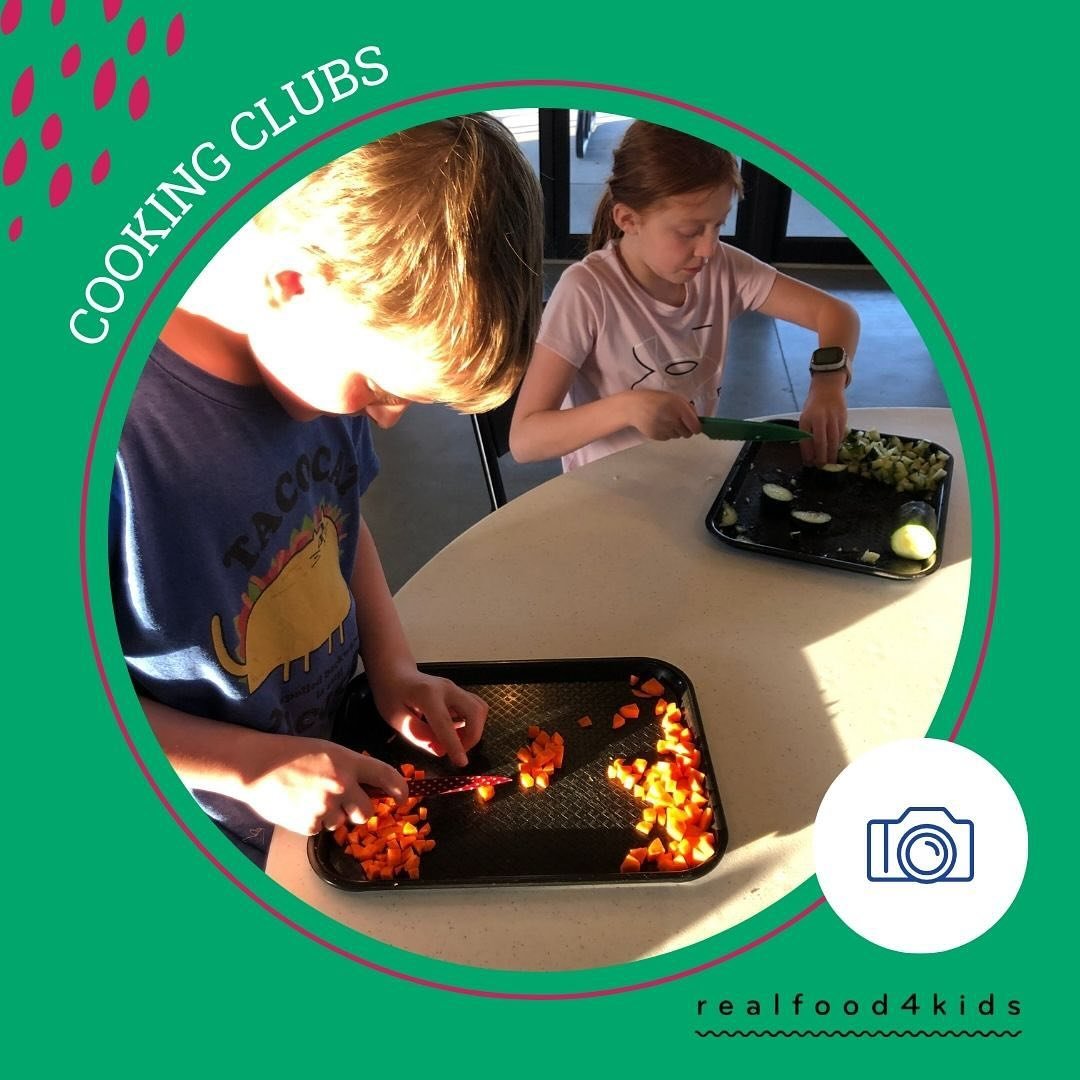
(485, 792)
(634, 680)
(631, 711)
(652, 687)
(532, 731)
(617, 721)
(526, 780)
(660, 708)
(630, 865)
(585, 721)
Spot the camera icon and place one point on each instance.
(924, 844)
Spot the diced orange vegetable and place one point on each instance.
(630, 865)
(672, 790)
(617, 721)
(538, 761)
(485, 792)
(389, 841)
(585, 721)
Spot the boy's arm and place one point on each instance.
(837, 323)
(430, 712)
(540, 428)
(299, 783)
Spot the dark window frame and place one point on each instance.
(760, 224)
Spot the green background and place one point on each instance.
(125, 944)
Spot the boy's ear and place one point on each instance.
(283, 285)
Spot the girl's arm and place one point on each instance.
(824, 413)
(541, 429)
(430, 712)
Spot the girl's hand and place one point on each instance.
(661, 415)
(824, 415)
(306, 785)
(432, 713)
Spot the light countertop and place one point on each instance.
(798, 669)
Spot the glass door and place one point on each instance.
(571, 150)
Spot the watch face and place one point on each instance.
(831, 356)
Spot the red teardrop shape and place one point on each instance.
(10, 16)
(112, 8)
(60, 185)
(104, 84)
(101, 168)
(71, 61)
(139, 98)
(175, 36)
(51, 131)
(59, 10)
(23, 92)
(15, 229)
(136, 36)
(15, 162)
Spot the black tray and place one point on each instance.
(863, 512)
(577, 831)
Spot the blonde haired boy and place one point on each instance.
(245, 583)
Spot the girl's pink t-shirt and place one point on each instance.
(619, 337)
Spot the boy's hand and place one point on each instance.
(306, 785)
(432, 713)
(824, 415)
(660, 415)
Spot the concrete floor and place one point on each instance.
(431, 487)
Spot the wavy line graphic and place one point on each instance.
(858, 1034)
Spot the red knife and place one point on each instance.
(450, 785)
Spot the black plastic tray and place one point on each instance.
(863, 512)
(577, 831)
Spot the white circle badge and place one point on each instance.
(920, 845)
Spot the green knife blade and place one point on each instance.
(717, 427)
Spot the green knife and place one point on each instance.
(717, 427)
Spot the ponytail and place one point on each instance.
(653, 162)
(604, 228)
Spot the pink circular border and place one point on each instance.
(512, 83)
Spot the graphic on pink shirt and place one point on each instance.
(671, 368)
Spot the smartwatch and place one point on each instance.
(830, 358)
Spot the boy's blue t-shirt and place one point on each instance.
(232, 535)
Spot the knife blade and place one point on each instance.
(718, 427)
(451, 785)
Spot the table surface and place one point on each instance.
(785, 703)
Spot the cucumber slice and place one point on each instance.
(914, 534)
(776, 493)
(815, 519)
